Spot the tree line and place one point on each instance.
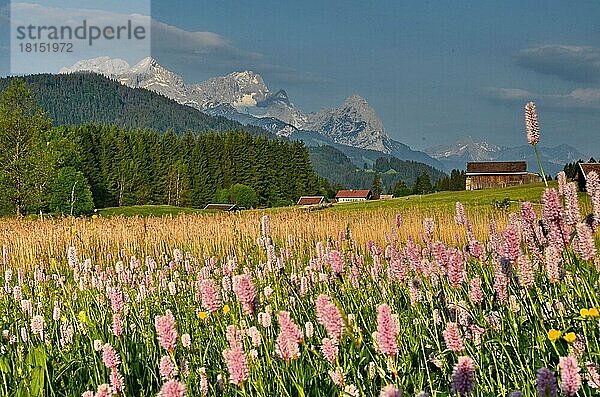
(77, 168)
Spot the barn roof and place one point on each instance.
(221, 207)
(353, 194)
(586, 168)
(496, 167)
(310, 200)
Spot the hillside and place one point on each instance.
(80, 98)
(333, 164)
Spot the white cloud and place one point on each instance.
(580, 98)
(572, 63)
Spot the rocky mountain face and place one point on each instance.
(468, 149)
(244, 97)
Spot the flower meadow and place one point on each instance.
(514, 314)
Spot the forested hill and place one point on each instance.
(80, 98)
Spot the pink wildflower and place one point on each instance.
(569, 375)
(117, 382)
(512, 242)
(525, 272)
(336, 262)
(572, 211)
(329, 349)
(210, 295)
(460, 217)
(337, 376)
(387, 331)
(593, 375)
(167, 368)
(88, 394)
(264, 223)
(165, 328)
(476, 294)
(553, 264)
(37, 326)
(117, 326)
(186, 340)
(104, 390)
(235, 359)
(463, 376)
(245, 292)
(532, 124)
(585, 247)
(390, 391)
(254, 335)
(203, 382)
(110, 357)
(172, 388)
(452, 337)
(329, 316)
(562, 182)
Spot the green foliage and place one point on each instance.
(25, 162)
(140, 167)
(79, 98)
(423, 184)
(242, 195)
(71, 194)
(376, 185)
(338, 168)
(455, 182)
(400, 189)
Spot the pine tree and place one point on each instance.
(23, 129)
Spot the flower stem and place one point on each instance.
(540, 163)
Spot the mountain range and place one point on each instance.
(244, 97)
(469, 149)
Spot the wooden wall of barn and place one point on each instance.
(478, 182)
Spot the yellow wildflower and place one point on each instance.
(202, 315)
(554, 334)
(226, 309)
(94, 216)
(585, 313)
(593, 312)
(570, 337)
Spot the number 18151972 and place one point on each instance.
(46, 47)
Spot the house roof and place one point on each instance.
(310, 200)
(586, 168)
(353, 194)
(221, 207)
(496, 167)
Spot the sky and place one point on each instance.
(433, 71)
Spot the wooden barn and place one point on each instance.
(498, 174)
(347, 196)
(582, 172)
(310, 200)
(221, 207)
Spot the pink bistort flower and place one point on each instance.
(387, 331)
(452, 337)
(166, 331)
(531, 124)
(172, 388)
(569, 375)
(110, 357)
(329, 316)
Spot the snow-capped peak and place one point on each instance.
(102, 65)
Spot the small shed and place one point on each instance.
(498, 174)
(311, 200)
(346, 196)
(221, 207)
(583, 171)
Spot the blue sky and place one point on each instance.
(434, 71)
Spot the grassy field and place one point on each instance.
(151, 230)
(344, 301)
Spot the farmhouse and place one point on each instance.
(311, 200)
(346, 196)
(498, 174)
(583, 171)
